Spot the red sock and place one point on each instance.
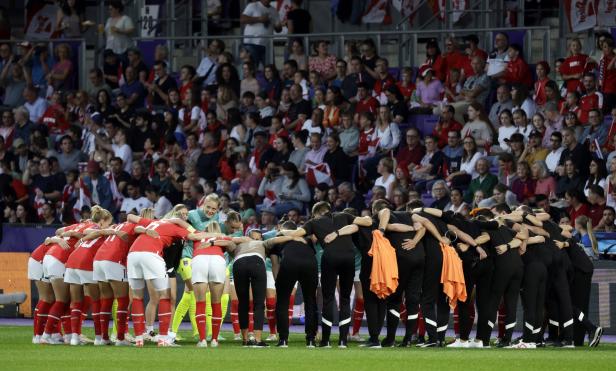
(96, 316)
(456, 321)
(41, 316)
(76, 308)
(358, 315)
(251, 317)
(138, 317)
(122, 316)
(35, 318)
(501, 320)
(105, 316)
(66, 320)
(55, 314)
(235, 321)
(403, 314)
(291, 307)
(216, 320)
(201, 319)
(164, 316)
(421, 326)
(270, 304)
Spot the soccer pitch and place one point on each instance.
(17, 353)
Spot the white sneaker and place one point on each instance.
(272, 337)
(149, 337)
(356, 338)
(66, 338)
(522, 345)
(102, 342)
(129, 337)
(97, 340)
(75, 340)
(85, 340)
(459, 344)
(202, 344)
(123, 343)
(221, 338)
(237, 337)
(166, 341)
(139, 341)
(214, 343)
(113, 338)
(51, 340)
(36, 339)
(476, 344)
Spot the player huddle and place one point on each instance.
(413, 266)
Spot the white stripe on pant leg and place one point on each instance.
(568, 323)
(581, 316)
(528, 326)
(491, 324)
(430, 322)
(553, 323)
(442, 328)
(345, 322)
(536, 331)
(412, 316)
(326, 322)
(394, 313)
(510, 325)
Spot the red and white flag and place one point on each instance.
(406, 7)
(606, 13)
(377, 11)
(85, 199)
(270, 198)
(40, 20)
(582, 14)
(458, 7)
(319, 174)
(118, 197)
(283, 7)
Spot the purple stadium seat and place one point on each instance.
(424, 123)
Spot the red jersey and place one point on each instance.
(518, 72)
(575, 64)
(438, 65)
(407, 91)
(607, 76)
(39, 253)
(609, 146)
(184, 90)
(459, 61)
(574, 214)
(588, 102)
(479, 53)
(369, 104)
(381, 86)
(54, 120)
(167, 232)
(441, 132)
(58, 252)
(203, 248)
(366, 139)
(83, 256)
(115, 249)
(539, 96)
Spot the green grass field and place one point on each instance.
(17, 353)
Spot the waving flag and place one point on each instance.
(118, 197)
(283, 7)
(457, 6)
(377, 11)
(319, 174)
(582, 14)
(407, 7)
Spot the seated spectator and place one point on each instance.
(365, 102)
(298, 54)
(553, 123)
(294, 191)
(348, 197)
(69, 157)
(49, 216)
(406, 85)
(591, 100)
(595, 130)
(387, 178)
(430, 167)
(96, 83)
(98, 186)
(357, 75)
(440, 193)
(524, 185)
(544, 182)
(429, 92)
(396, 104)
(299, 110)
(556, 150)
(333, 101)
(136, 62)
(446, 125)
(457, 204)
(596, 200)
(35, 105)
(135, 202)
(468, 162)
(607, 75)
(400, 199)
(606, 224)
(384, 81)
(533, 151)
(161, 204)
(520, 119)
(386, 131)
(596, 176)
(505, 130)
(570, 180)
(337, 160)
(249, 81)
(434, 60)
(577, 204)
(503, 102)
(269, 189)
(247, 208)
(349, 135)
(323, 62)
(133, 89)
(517, 70)
(478, 126)
(317, 151)
(522, 100)
(500, 195)
(476, 88)
(162, 84)
(246, 181)
(482, 181)
(413, 151)
(576, 151)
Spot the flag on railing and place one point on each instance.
(377, 11)
(406, 7)
(40, 20)
(457, 7)
(582, 14)
(606, 13)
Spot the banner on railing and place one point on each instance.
(457, 7)
(586, 14)
(377, 11)
(406, 7)
(40, 20)
(606, 13)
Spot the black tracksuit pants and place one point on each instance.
(336, 268)
(249, 273)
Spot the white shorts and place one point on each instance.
(52, 267)
(271, 283)
(143, 265)
(208, 268)
(105, 271)
(35, 270)
(78, 276)
(356, 278)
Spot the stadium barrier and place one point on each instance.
(18, 241)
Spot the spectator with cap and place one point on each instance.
(98, 186)
(534, 151)
(259, 19)
(161, 204)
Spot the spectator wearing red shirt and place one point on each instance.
(473, 48)
(413, 151)
(187, 74)
(453, 58)
(384, 80)
(543, 70)
(406, 85)
(434, 60)
(577, 206)
(607, 74)
(575, 66)
(445, 125)
(365, 103)
(596, 198)
(591, 100)
(517, 70)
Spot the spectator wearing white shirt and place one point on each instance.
(119, 147)
(35, 105)
(118, 29)
(556, 140)
(206, 71)
(314, 125)
(468, 170)
(135, 202)
(522, 100)
(259, 19)
(386, 131)
(161, 204)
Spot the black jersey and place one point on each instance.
(324, 225)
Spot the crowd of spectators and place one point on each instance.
(273, 139)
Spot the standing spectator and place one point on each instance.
(38, 59)
(298, 19)
(575, 66)
(135, 61)
(503, 101)
(607, 75)
(14, 78)
(118, 29)
(259, 19)
(543, 70)
(453, 58)
(61, 76)
(473, 49)
(70, 21)
(501, 46)
(206, 71)
(475, 88)
(369, 57)
(434, 60)
(112, 68)
(249, 82)
(357, 75)
(323, 62)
